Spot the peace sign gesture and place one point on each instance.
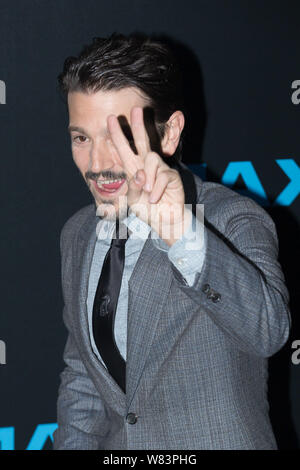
(155, 191)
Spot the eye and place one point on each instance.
(79, 139)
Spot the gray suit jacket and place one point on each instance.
(197, 368)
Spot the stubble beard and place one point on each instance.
(108, 210)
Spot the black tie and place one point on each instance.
(105, 305)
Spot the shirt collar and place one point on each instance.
(138, 229)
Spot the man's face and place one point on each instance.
(93, 151)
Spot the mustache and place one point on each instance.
(105, 175)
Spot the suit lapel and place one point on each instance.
(149, 286)
(148, 289)
(85, 249)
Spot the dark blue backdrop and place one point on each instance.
(241, 64)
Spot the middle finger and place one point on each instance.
(140, 135)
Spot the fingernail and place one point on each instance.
(147, 187)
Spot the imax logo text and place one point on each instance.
(253, 185)
(38, 439)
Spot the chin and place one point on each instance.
(108, 211)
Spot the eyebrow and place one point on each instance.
(76, 128)
(83, 131)
(124, 126)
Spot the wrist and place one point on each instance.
(170, 233)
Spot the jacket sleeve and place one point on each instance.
(241, 285)
(81, 417)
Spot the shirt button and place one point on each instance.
(131, 418)
(181, 261)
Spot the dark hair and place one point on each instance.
(121, 61)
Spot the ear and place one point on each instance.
(171, 139)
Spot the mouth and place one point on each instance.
(105, 187)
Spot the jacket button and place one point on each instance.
(131, 418)
(206, 288)
(216, 297)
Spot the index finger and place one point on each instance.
(119, 140)
(139, 132)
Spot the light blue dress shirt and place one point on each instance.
(187, 254)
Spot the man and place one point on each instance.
(181, 362)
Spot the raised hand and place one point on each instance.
(155, 191)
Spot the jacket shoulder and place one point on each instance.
(73, 224)
(224, 207)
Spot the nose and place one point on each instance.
(103, 157)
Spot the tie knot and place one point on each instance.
(120, 235)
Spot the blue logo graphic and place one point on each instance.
(37, 441)
(254, 186)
